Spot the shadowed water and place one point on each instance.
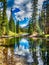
(24, 51)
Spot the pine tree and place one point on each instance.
(34, 13)
(11, 23)
(30, 29)
(1, 16)
(47, 17)
(4, 21)
(32, 22)
(17, 26)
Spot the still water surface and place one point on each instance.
(24, 51)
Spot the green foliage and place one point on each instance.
(17, 26)
(12, 24)
(34, 14)
(30, 28)
(32, 23)
(38, 29)
(3, 20)
(47, 19)
(42, 21)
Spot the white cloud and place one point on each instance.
(29, 6)
(19, 1)
(8, 13)
(19, 15)
(23, 25)
(25, 7)
(40, 2)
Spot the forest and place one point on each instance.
(38, 24)
(24, 32)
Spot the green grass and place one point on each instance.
(15, 34)
(47, 35)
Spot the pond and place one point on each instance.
(24, 51)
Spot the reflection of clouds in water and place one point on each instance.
(40, 62)
(25, 43)
(23, 50)
(23, 47)
(9, 52)
(38, 54)
(29, 58)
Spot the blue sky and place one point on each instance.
(1, 4)
(10, 3)
(25, 6)
(24, 22)
(22, 10)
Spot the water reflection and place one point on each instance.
(23, 47)
(47, 52)
(24, 51)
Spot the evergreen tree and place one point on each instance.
(30, 30)
(46, 12)
(32, 22)
(17, 26)
(1, 16)
(11, 23)
(4, 21)
(42, 21)
(34, 13)
(47, 17)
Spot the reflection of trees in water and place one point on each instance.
(8, 56)
(8, 52)
(17, 41)
(1, 55)
(4, 41)
(43, 51)
(10, 59)
(47, 52)
(33, 49)
(9, 41)
(34, 44)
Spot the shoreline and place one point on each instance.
(29, 36)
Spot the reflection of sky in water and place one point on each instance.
(38, 54)
(23, 50)
(23, 47)
(25, 43)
